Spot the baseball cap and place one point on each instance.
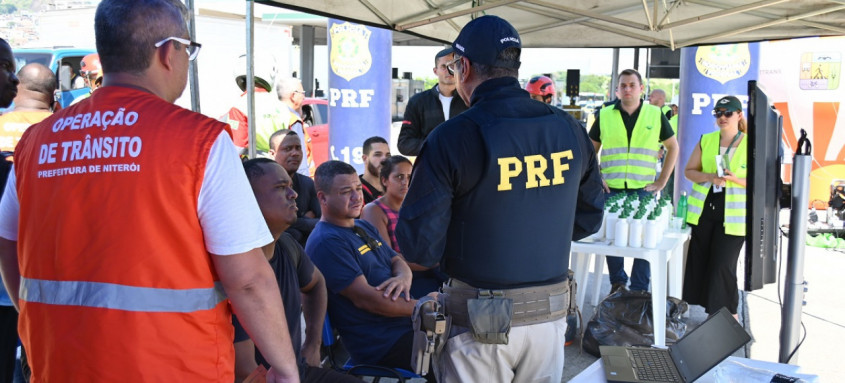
(445, 52)
(482, 39)
(729, 103)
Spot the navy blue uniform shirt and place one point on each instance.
(489, 225)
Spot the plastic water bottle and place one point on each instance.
(635, 236)
(621, 235)
(652, 230)
(681, 212)
(731, 371)
(610, 223)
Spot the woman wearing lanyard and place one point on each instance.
(717, 168)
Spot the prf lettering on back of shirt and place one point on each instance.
(535, 170)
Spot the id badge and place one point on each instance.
(720, 171)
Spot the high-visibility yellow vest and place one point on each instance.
(674, 122)
(734, 193)
(625, 164)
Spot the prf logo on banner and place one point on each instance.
(820, 70)
(350, 56)
(723, 62)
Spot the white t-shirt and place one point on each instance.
(231, 223)
(447, 104)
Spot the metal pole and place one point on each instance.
(193, 75)
(614, 73)
(306, 54)
(250, 76)
(637, 59)
(794, 285)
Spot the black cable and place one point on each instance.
(799, 343)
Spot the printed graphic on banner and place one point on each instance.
(723, 62)
(820, 70)
(359, 88)
(350, 55)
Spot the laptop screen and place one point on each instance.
(708, 344)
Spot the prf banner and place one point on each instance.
(359, 88)
(708, 74)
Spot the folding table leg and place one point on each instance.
(598, 269)
(658, 301)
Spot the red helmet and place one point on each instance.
(91, 64)
(541, 86)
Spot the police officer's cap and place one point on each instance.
(482, 39)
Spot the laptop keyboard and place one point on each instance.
(654, 366)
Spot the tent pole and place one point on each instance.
(192, 68)
(250, 75)
(614, 79)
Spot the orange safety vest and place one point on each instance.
(116, 282)
(14, 123)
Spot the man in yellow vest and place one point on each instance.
(291, 94)
(657, 97)
(631, 132)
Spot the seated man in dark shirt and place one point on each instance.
(286, 149)
(375, 150)
(368, 282)
(302, 286)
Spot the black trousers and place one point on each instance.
(710, 274)
(8, 342)
(400, 355)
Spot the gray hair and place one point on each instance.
(486, 72)
(126, 31)
(286, 86)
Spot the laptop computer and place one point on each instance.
(686, 360)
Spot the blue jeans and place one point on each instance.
(640, 273)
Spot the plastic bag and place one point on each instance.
(624, 318)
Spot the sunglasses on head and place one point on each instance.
(720, 113)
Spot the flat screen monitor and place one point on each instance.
(762, 242)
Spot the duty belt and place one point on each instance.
(531, 305)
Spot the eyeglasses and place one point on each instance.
(450, 67)
(299, 91)
(720, 113)
(191, 47)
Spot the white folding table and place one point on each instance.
(669, 252)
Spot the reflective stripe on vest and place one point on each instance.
(629, 164)
(120, 297)
(735, 197)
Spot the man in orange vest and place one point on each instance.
(33, 103)
(123, 227)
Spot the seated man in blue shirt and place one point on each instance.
(368, 283)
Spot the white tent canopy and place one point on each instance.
(597, 23)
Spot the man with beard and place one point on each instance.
(286, 149)
(368, 283)
(428, 109)
(375, 150)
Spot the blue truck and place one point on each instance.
(64, 62)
